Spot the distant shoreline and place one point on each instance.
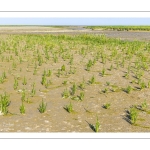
(74, 30)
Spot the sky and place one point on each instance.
(74, 21)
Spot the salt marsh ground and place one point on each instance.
(88, 81)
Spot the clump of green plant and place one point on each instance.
(1, 80)
(103, 56)
(123, 63)
(49, 73)
(148, 84)
(133, 81)
(96, 127)
(23, 95)
(4, 103)
(69, 108)
(73, 89)
(15, 83)
(64, 82)
(22, 109)
(71, 61)
(92, 80)
(72, 70)
(82, 51)
(40, 60)
(111, 67)
(47, 84)
(35, 72)
(20, 60)
(24, 81)
(82, 86)
(65, 94)
(43, 82)
(4, 75)
(103, 72)
(47, 55)
(142, 85)
(81, 96)
(42, 107)
(14, 65)
(133, 114)
(59, 73)
(63, 68)
(105, 90)
(107, 83)
(16, 52)
(44, 73)
(139, 75)
(126, 75)
(28, 100)
(55, 58)
(106, 106)
(33, 91)
(128, 89)
(89, 65)
(144, 105)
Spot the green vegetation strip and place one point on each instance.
(120, 28)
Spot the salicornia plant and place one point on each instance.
(128, 89)
(23, 95)
(65, 93)
(133, 114)
(33, 91)
(22, 109)
(92, 80)
(106, 106)
(95, 127)
(24, 81)
(63, 68)
(43, 82)
(103, 72)
(81, 96)
(69, 108)
(73, 89)
(42, 107)
(15, 84)
(144, 105)
(4, 103)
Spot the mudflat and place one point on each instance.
(86, 79)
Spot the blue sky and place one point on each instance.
(74, 21)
